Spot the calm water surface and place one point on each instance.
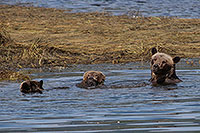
(180, 8)
(127, 103)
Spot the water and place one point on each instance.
(183, 8)
(127, 103)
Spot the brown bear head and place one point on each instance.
(93, 78)
(162, 63)
(31, 86)
(163, 67)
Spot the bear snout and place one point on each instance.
(156, 68)
(91, 82)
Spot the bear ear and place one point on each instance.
(153, 50)
(85, 75)
(24, 86)
(41, 83)
(176, 59)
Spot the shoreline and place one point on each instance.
(36, 37)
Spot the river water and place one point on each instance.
(127, 103)
(179, 8)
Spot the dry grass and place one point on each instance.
(51, 37)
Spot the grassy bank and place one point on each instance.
(41, 37)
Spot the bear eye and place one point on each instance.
(152, 62)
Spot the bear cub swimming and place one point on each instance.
(31, 86)
(163, 68)
(92, 79)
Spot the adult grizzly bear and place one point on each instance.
(92, 79)
(163, 68)
(31, 86)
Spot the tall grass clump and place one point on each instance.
(4, 36)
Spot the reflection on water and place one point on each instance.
(127, 103)
(183, 8)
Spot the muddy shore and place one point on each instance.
(32, 37)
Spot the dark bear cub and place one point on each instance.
(31, 86)
(92, 79)
(163, 68)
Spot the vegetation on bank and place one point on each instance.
(32, 37)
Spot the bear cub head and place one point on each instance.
(92, 79)
(31, 86)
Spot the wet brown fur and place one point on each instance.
(31, 86)
(92, 79)
(163, 68)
